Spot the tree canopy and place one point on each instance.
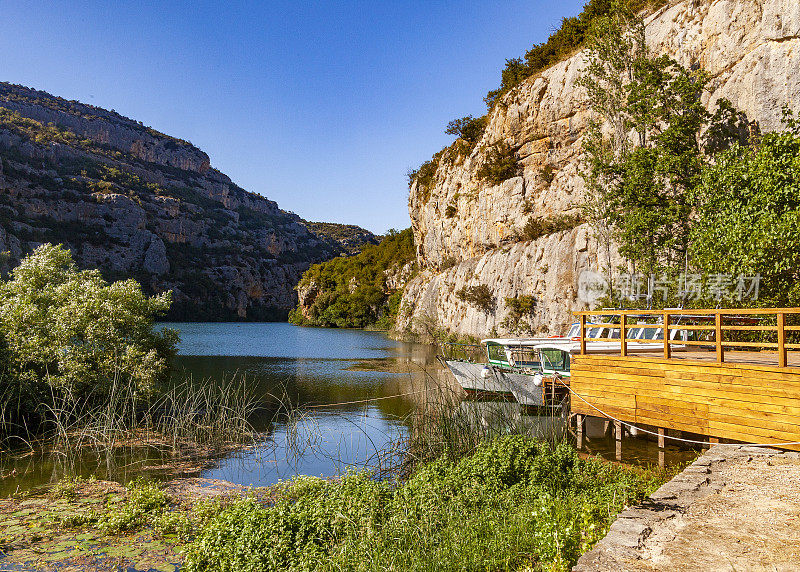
(748, 215)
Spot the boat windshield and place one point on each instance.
(523, 357)
(650, 333)
(496, 353)
(555, 360)
(574, 331)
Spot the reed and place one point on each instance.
(181, 417)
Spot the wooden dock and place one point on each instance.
(728, 392)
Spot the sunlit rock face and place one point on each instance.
(134, 202)
(752, 50)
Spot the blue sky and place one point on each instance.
(320, 106)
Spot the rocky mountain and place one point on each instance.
(137, 203)
(349, 239)
(470, 232)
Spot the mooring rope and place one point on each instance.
(665, 436)
(364, 400)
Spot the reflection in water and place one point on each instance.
(352, 413)
(310, 368)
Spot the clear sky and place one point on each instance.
(321, 106)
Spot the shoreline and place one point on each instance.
(735, 507)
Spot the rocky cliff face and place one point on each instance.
(137, 203)
(468, 233)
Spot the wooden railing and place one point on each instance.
(673, 319)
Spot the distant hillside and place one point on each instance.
(360, 291)
(137, 203)
(351, 239)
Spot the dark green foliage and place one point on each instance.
(748, 215)
(351, 291)
(500, 164)
(562, 43)
(425, 176)
(468, 128)
(451, 210)
(511, 505)
(479, 296)
(536, 227)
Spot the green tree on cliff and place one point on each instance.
(748, 215)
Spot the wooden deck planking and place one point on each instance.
(748, 398)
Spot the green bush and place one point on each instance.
(68, 336)
(519, 308)
(468, 128)
(351, 291)
(500, 164)
(748, 215)
(479, 296)
(537, 227)
(514, 503)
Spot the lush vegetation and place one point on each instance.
(68, 337)
(352, 292)
(748, 215)
(513, 503)
(562, 43)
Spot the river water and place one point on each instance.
(357, 391)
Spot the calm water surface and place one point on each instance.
(334, 375)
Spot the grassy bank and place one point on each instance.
(513, 504)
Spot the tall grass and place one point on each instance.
(182, 415)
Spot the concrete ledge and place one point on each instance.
(624, 545)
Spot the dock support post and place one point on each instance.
(579, 427)
(618, 437)
(661, 456)
(718, 336)
(666, 336)
(623, 335)
(781, 340)
(583, 334)
(713, 441)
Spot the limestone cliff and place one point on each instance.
(137, 203)
(468, 233)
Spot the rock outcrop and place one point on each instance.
(137, 203)
(468, 232)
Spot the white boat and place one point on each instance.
(518, 366)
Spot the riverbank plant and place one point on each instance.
(81, 365)
(70, 340)
(513, 503)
